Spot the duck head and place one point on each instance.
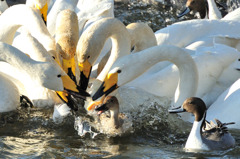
(109, 103)
(193, 105)
(195, 5)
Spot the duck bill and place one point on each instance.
(85, 70)
(177, 110)
(102, 108)
(43, 12)
(70, 68)
(108, 86)
(184, 12)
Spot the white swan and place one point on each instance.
(129, 67)
(41, 6)
(92, 41)
(211, 64)
(226, 106)
(142, 37)
(184, 33)
(66, 41)
(33, 73)
(27, 17)
(9, 95)
(206, 9)
(84, 9)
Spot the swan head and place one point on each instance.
(42, 6)
(109, 84)
(66, 39)
(53, 77)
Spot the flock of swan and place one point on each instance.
(53, 52)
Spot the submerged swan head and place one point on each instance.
(214, 138)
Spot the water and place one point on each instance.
(33, 134)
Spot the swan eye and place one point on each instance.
(119, 71)
(53, 57)
(88, 57)
(59, 75)
(238, 59)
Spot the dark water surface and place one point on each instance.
(32, 134)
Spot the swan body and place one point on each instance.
(27, 17)
(234, 15)
(184, 33)
(211, 63)
(129, 67)
(9, 95)
(226, 105)
(213, 137)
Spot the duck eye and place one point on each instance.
(119, 71)
(59, 75)
(88, 57)
(53, 57)
(238, 59)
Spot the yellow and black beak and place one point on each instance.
(85, 70)
(43, 12)
(70, 89)
(70, 68)
(109, 85)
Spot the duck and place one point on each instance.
(117, 123)
(92, 41)
(124, 71)
(207, 9)
(3, 6)
(225, 106)
(11, 22)
(142, 37)
(212, 137)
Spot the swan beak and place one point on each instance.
(43, 12)
(108, 86)
(70, 88)
(85, 70)
(177, 110)
(94, 104)
(186, 11)
(70, 68)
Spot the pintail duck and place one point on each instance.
(204, 135)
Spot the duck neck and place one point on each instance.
(114, 118)
(213, 11)
(194, 140)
